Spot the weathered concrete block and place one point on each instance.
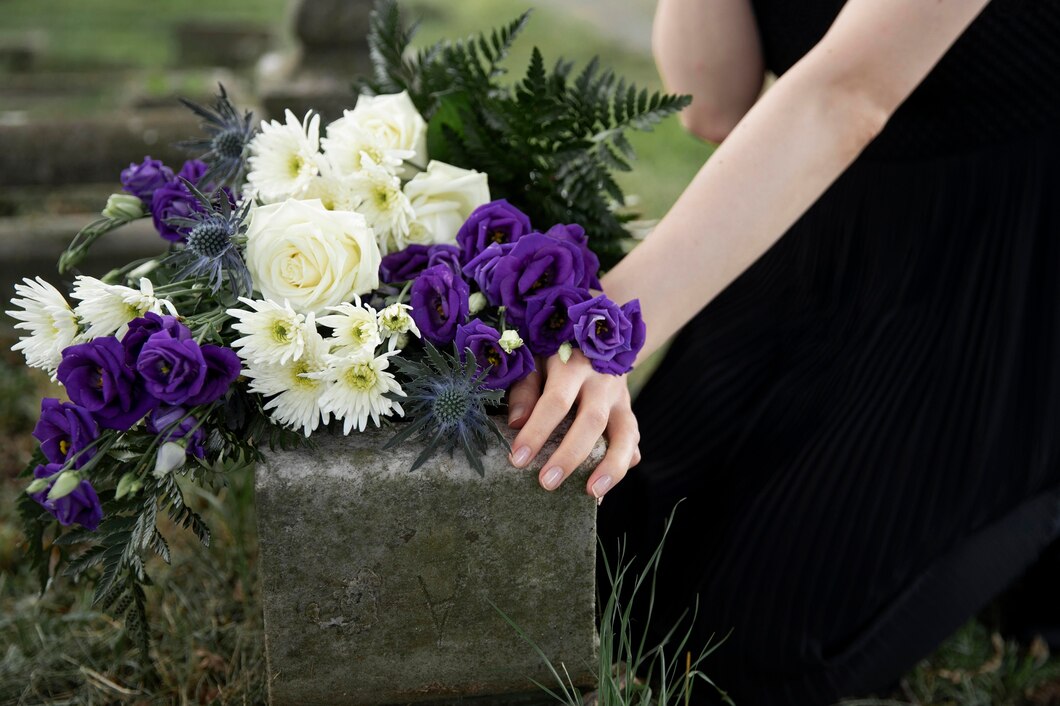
(377, 580)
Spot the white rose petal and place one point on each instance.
(444, 196)
(313, 258)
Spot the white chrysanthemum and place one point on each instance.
(272, 333)
(107, 309)
(386, 129)
(396, 320)
(355, 328)
(384, 205)
(285, 158)
(296, 387)
(348, 148)
(334, 192)
(50, 321)
(357, 389)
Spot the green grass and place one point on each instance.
(123, 33)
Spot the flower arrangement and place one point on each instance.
(338, 276)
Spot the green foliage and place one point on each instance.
(550, 142)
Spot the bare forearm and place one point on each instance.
(783, 155)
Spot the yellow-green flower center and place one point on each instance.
(295, 164)
(281, 332)
(361, 377)
(298, 371)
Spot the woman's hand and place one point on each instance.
(538, 403)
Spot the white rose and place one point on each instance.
(387, 128)
(444, 196)
(314, 258)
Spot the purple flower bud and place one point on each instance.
(82, 506)
(608, 335)
(484, 343)
(96, 377)
(173, 369)
(495, 222)
(176, 426)
(439, 303)
(548, 324)
(64, 430)
(142, 179)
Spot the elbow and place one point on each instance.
(707, 124)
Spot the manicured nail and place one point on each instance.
(521, 456)
(552, 478)
(601, 486)
(515, 414)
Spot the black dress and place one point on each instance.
(866, 424)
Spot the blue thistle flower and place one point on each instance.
(212, 245)
(224, 148)
(446, 399)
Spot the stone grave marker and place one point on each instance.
(333, 51)
(377, 581)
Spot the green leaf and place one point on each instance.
(448, 114)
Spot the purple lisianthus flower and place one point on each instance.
(481, 268)
(193, 170)
(96, 377)
(608, 335)
(494, 222)
(222, 369)
(548, 324)
(404, 265)
(575, 234)
(79, 507)
(173, 200)
(484, 343)
(142, 328)
(173, 369)
(535, 264)
(142, 179)
(439, 303)
(177, 425)
(64, 430)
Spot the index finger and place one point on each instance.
(561, 391)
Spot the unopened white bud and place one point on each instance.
(476, 303)
(124, 207)
(510, 341)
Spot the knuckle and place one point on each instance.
(595, 415)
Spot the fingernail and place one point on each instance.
(521, 456)
(552, 478)
(601, 486)
(515, 413)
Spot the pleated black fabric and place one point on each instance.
(866, 424)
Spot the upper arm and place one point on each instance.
(710, 49)
(878, 51)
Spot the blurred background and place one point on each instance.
(89, 86)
